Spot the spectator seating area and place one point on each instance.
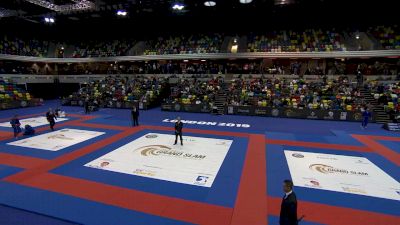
(185, 45)
(102, 48)
(309, 40)
(332, 95)
(10, 92)
(16, 46)
(292, 41)
(107, 92)
(386, 95)
(388, 37)
(195, 91)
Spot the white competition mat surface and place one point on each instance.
(57, 140)
(33, 122)
(153, 155)
(348, 174)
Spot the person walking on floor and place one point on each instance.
(178, 130)
(135, 116)
(51, 117)
(16, 125)
(288, 215)
(366, 115)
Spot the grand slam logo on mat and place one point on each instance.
(162, 150)
(322, 168)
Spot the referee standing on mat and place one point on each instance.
(135, 116)
(178, 130)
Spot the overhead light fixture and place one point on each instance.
(78, 5)
(284, 2)
(178, 6)
(210, 3)
(49, 20)
(185, 60)
(245, 1)
(122, 13)
(203, 60)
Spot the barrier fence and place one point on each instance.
(317, 114)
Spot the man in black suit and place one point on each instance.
(288, 214)
(178, 130)
(135, 116)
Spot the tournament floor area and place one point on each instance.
(97, 169)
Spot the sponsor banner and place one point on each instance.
(318, 114)
(12, 104)
(153, 155)
(57, 140)
(348, 174)
(392, 126)
(186, 107)
(33, 122)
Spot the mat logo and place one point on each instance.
(59, 136)
(325, 169)
(152, 149)
(354, 190)
(162, 150)
(201, 180)
(151, 136)
(104, 164)
(298, 155)
(314, 183)
(144, 172)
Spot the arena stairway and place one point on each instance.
(220, 100)
(377, 110)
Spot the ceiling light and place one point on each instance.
(210, 3)
(121, 13)
(185, 60)
(178, 6)
(49, 20)
(245, 1)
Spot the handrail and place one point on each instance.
(252, 55)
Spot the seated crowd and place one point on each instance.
(388, 37)
(120, 89)
(185, 45)
(332, 95)
(102, 48)
(386, 95)
(292, 41)
(17, 46)
(195, 91)
(308, 40)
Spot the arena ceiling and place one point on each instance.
(225, 13)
